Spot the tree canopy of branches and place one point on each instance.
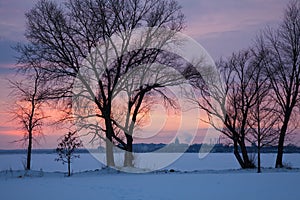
(282, 46)
(243, 90)
(91, 41)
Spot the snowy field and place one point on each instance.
(217, 177)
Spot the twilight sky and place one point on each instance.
(220, 26)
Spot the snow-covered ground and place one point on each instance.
(217, 177)
(246, 185)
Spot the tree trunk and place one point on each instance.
(128, 161)
(237, 155)
(109, 152)
(29, 149)
(258, 158)
(280, 149)
(109, 144)
(69, 166)
(247, 163)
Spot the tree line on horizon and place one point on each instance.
(259, 99)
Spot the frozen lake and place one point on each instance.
(187, 162)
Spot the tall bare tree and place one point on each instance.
(27, 109)
(236, 98)
(142, 88)
(91, 41)
(283, 47)
(263, 122)
(263, 117)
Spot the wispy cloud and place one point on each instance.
(213, 22)
(12, 20)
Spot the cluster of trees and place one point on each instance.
(70, 46)
(260, 97)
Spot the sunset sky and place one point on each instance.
(220, 26)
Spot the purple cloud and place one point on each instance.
(229, 25)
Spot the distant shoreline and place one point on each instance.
(163, 148)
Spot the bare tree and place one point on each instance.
(27, 109)
(236, 99)
(263, 117)
(77, 40)
(142, 88)
(263, 121)
(66, 149)
(283, 48)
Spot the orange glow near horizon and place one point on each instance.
(160, 128)
(158, 121)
